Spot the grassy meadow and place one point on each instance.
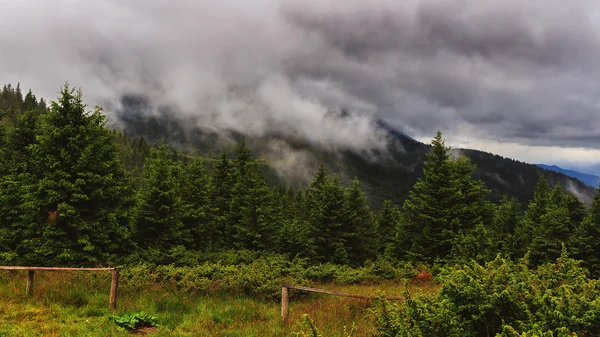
(76, 304)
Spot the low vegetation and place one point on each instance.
(76, 304)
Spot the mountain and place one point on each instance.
(390, 175)
(588, 179)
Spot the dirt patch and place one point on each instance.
(143, 331)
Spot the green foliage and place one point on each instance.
(135, 321)
(498, 298)
(160, 209)
(506, 219)
(388, 220)
(196, 188)
(585, 239)
(252, 205)
(445, 204)
(74, 168)
(311, 330)
(325, 207)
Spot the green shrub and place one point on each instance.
(135, 321)
(501, 298)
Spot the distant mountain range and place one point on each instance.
(390, 175)
(588, 179)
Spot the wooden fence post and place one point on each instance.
(29, 289)
(285, 303)
(114, 287)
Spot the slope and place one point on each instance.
(588, 179)
(292, 161)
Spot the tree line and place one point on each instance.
(74, 192)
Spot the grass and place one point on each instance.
(76, 304)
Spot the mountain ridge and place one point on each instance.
(588, 179)
(389, 176)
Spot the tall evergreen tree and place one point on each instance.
(325, 215)
(18, 173)
(79, 203)
(444, 203)
(160, 208)
(252, 208)
(388, 220)
(222, 183)
(196, 193)
(554, 229)
(533, 216)
(506, 219)
(585, 239)
(358, 228)
(294, 237)
(575, 207)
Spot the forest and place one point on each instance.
(75, 193)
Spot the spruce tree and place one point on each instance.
(79, 202)
(471, 215)
(252, 208)
(445, 209)
(222, 188)
(325, 215)
(196, 191)
(18, 173)
(575, 207)
(160, 209)
(553, 230)
(506, 219)
(533, 216)
(358, 228)
(388, 220)
(294, 237)
(585, 240)
(428, 209)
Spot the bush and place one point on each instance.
(502, 298)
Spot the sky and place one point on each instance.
(516, 78)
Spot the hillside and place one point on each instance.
(588, 179)
(292, 161)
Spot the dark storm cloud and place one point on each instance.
(503, 70)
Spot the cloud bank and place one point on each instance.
(499, 71)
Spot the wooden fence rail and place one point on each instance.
(114, 284)
(285, 299)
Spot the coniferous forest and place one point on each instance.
(75, 193)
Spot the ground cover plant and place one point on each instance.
(76, 304)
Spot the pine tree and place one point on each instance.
(222, 183)
(358, 228)
(29, 102)
(78, 205)
(196, 193)
(444, 203)
(388, 220)
(294, 237)
(252, 212)
(16, 176)
(575, 207)
(585, 239)
(325, 215)
(533, 216)
(553, 230)
(471, 213)
(160, 209)
(506, 219)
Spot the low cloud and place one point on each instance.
(500, 72)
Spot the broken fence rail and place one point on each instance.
(285, 299)
(114, 284)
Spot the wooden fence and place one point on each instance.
(114, 284)
(285, 299)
